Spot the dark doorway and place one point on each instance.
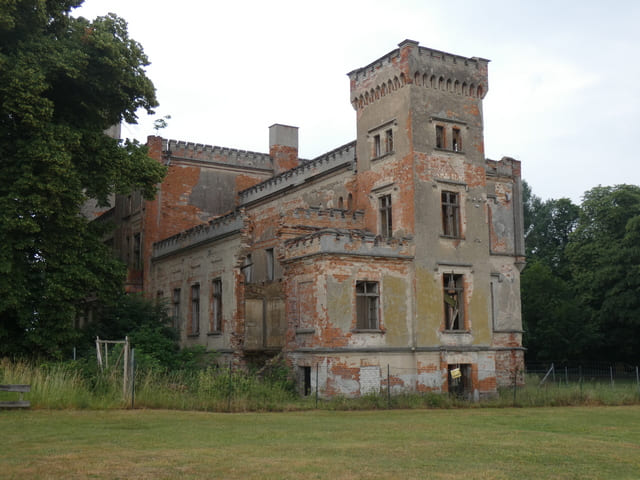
(306, 373)
(459, 379)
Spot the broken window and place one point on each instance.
(453, 301)
(388, 141)
(176, 308)
(216, 306)
(270, 264)
(456, 140)
(367, 305)
(450, 214)
(247, 268)
(386, 222)
(376, 146)
(440, 138)
(195, 309)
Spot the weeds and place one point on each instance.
(80, 385)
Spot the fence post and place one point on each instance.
(515, 385)
(230, 389)
(388, 388)
(580, 378)
(133, 377)
(611, 374)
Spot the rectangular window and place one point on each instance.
(216, 306)
(176, 307)
(137, 251)
(247, 268)
(195, 309)
(440, 138)
(270, 264)
(453, 286)
(388, 141)
(367, 305)
(456, 140)
(450, 214)
(386, 221)
(376, 146)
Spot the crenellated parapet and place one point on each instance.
(339, 158)
(325, 218)
(423, 67)
(217, 228)
(198, 152)
(354, 243)
(505, 167)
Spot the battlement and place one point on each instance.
(216, 228)
(325, 218)
(189, 151)
(334, 159)
(411, 64)
(505, 167)
(336, 241)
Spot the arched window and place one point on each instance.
(417, 78)
(340, 203)
(350, 202)
(441, 83)
(456, 87)
(449, 85)
(480, 91)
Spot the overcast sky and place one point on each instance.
(564, 77)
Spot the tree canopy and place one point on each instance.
(581, 288)
(63, 82)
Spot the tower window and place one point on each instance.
(453, 301)
(456, 140)
(450, 214)
(367, 305)
(388, 141)
(440, 137)
(386, 221)
(376, 146)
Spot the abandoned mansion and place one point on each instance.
(391, 261)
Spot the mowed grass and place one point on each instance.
(536, 443)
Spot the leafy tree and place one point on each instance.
(605, 260)
(555, 326)
(63, 82)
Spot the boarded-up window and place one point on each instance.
(306, 305)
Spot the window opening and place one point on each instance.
(137, 251)
(195, 309)
(270, 264)
(450, 214)
(388, 140)
(440, 139)
(386, 222)
(216, 306)
(456, 140)
(460, 383)
(453, 301)
(376, 146)
(176, 308)
(367, 305)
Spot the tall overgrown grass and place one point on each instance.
(81, 385)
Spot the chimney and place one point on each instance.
(283, 147)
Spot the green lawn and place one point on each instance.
(538, 443)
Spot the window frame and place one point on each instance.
(385, 210)
(175, 301)
(195, 310)
(367, 297)
(450, 212)
(453, 293)
(270, 264)
(215, 324)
